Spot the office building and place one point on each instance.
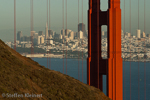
(50, 34)
(103, 33)
(35, 35)
(67, 32)
(148, 35)
(81, 27)
(71, 35)
(40, 33)
(62, 32)
(56, 36)
(138, 32)
(19, 35)
(80, 35)
(129, 34)
(40, 40)
(143, 35)
(60, 36)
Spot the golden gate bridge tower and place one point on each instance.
(96, 65)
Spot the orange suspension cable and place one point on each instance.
(15, 25)
(63, 32)
(67, 37)
(31, 15)
(130, 49)
(124, 54)
(49, 38)
(78, 44)
(138, 59)
(31, 22)
(144, 53)
(82, 40)
(47, 34)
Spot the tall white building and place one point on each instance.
(40, 39)
(71, 35)
(60, 36)
(129, 34)
(103, 33)
(143, 35)
(51, 41)
(80, 34)
(138, 32)
(39, 42)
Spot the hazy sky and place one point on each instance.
(40, 15)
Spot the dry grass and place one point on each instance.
(21, 75)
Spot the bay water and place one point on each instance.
(138, 86)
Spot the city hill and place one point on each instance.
(22, 75)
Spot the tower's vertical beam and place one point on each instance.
(115, 81)
(112, 67)
(100, 51)
(89, 42)
(95, 43)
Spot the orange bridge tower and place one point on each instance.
(96, 65)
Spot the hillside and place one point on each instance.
(22, 75)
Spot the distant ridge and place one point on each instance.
(22, 75)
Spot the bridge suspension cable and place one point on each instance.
(32, 30)
(144, 51)
(47, 35)
(49, 38)
(31, 33)
(66, 38)
(15, 25)
(124, 96)
(130, 47)
(63, 31)
(138, 59)
(82, 40)
(78, 45)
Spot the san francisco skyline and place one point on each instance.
(40, 12)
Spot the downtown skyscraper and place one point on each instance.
(81, 27)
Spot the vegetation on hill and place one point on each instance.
(22, 75)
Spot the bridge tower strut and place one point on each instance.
(96, 65)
